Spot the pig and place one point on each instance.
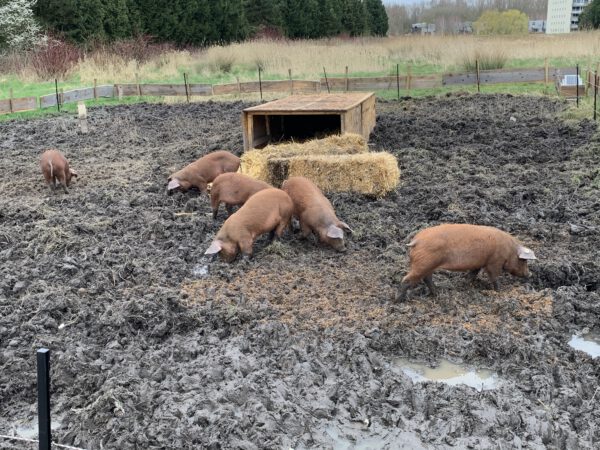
(56, 170)
(203, 171)
(269, 210)
(315, 213)
(462, 247)
(233, 189)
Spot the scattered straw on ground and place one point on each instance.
(353, 293)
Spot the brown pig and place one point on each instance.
(56, 170)
(269, 210)
(233, 189)
(462, 247)
(203, 171)
(315, 212)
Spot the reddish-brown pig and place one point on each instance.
(233, 189)
(269, 210)
(462, 247)
(203, 171)
(315, 213)
(56, 170)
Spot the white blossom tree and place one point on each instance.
(18, 28)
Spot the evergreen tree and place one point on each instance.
(354, 17)
(590, 17)
(329, 18)
(230, 20)
(264, 13)
(377, 18)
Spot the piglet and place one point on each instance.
(315, 213)
(56, 170)
(462, 247)
(269, 210)
(203, 171)
(233, 189)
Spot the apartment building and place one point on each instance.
(563, 15)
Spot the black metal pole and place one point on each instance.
(595, 93)
(398, 79)
(326, 81)
(187, 92)
(477, 69)
(43, 375)
(577, 85)
(57, 98)
(260, 83)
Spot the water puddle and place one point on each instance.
(30, 430)
(449, 373)
(359, 437)
(588, 343)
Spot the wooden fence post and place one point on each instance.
(120, 92)
(291, 82)
(239, 85)
(477, 69)
(326, 81)
(260, 82)
(347, 79)
(57, 97)
(137, 85)
(95, 89)
(398, 80)
(546, 72)
(10, 100)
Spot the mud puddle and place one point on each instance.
(588, 343)
(448, 373)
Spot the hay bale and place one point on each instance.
(255, 163)
(367, 173)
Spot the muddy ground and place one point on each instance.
(296, 347)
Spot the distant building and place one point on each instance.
(537, 26)
(563, 15)
(423, 28)
(464, 28)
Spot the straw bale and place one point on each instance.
(256, 162)
(367, 173)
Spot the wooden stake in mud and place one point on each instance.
(10, 100)
(398, 80)
(326, 81)
(95, 89)
(43, 378)
(260, 82)
(477, 69)
(291, 82)
(347, 83)
(82, 114)
(57, 99)
(187, 91)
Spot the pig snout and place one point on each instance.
(338, 244)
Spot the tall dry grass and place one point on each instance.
(308, 57)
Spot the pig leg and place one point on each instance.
(215, 203)
(429, 282)
(281, 227)
(472, 276)
(494, 271)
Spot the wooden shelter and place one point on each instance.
(301, 117)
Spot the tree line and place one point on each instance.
(203, 22)
(448, 15)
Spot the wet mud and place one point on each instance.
(155, 346)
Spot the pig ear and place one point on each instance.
(173, 184)
(525, 253)
(73, 173)
(215, 247)
(346, 227)
(335, 232)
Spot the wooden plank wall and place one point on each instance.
(390, 82)
(17, 104)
